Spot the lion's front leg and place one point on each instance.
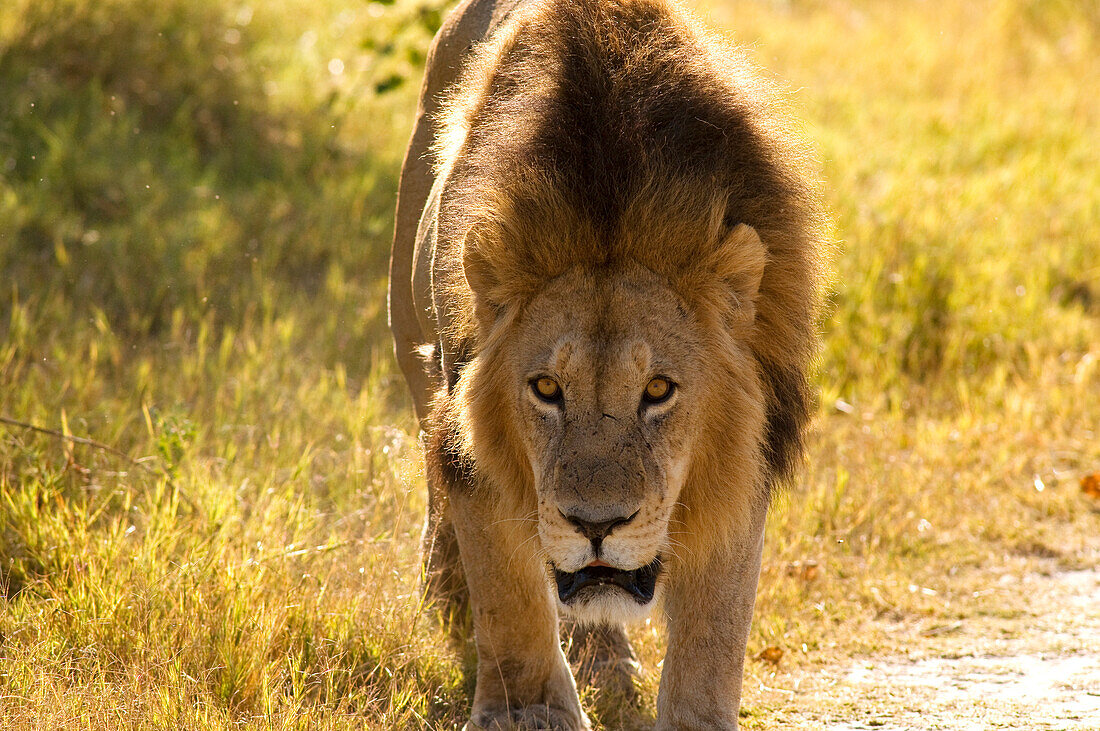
(444, 582)
(523, 681)
(709, 614)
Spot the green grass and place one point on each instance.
(195, 211)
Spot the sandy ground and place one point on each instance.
(1032, 661)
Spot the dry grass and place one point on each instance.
(225, 326)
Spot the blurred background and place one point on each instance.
(210, 485)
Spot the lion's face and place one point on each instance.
(605, 387)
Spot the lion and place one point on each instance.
(603, 288)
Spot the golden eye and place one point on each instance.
(657, 390)
(547, 389)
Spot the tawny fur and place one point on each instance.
(608, 175)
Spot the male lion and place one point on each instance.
(602, 296)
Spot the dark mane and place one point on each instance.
(614, 130)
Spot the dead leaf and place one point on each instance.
(805, 571)
(1090, 485)
(771, 655)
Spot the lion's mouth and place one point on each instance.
(639, 583)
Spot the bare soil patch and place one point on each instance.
(1028, 657)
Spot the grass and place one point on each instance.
(195, 209)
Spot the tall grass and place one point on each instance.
(195, 209)
(960, 167)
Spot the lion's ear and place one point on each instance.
(739, 261)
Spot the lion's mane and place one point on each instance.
(594, 133)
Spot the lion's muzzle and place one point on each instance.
(640, 583)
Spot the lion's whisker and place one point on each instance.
(521, 545)
(674, 544)
(531, 517)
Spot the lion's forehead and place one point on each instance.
(603, 367)
(627, 355)
(626, 322)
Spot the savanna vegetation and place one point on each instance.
(215, 523)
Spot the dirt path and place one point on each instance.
(1032, 661)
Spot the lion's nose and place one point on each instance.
(596, 530)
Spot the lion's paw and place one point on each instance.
(538, 717)
(617, 677)
(603, 658)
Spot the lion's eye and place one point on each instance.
(547, 389)
(657, 390)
